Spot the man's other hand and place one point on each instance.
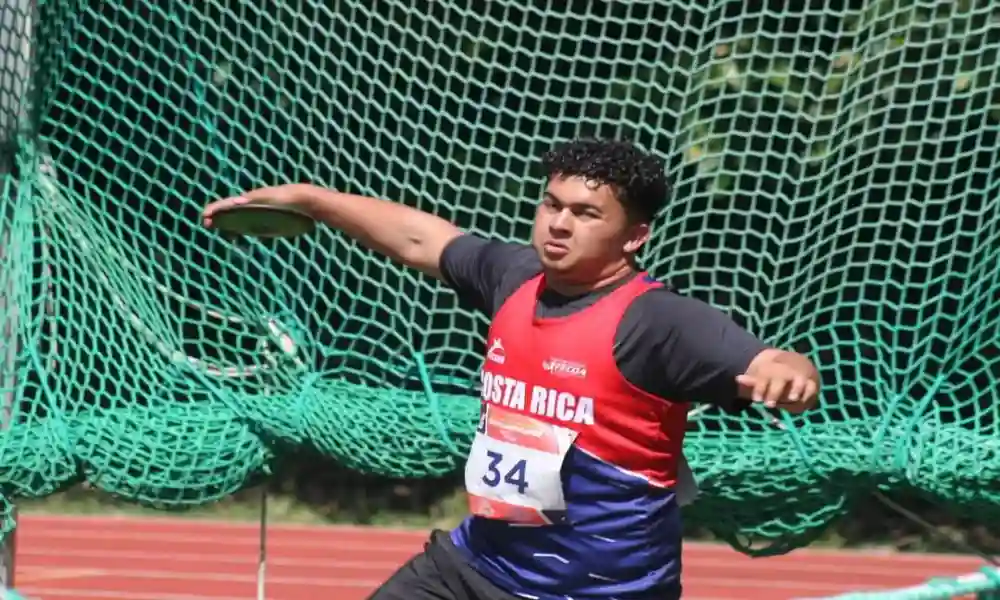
(779, 379)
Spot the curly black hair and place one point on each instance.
(636, 177)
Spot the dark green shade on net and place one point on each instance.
(837, 191)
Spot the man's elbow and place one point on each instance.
(423, 249)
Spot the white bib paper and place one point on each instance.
(513, 472)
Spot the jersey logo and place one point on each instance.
(564, 368)
(496, 352)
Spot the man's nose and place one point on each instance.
(561, 221)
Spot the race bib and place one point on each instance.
(513, 470)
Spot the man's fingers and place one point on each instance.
(746, 385)
(797, 391)
(809, 395)
(812, 388)
(775, 391)
(760, 390)
(757, 386)
(211, 209)
(224, 204)
(794, 394)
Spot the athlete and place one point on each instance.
(589, 369)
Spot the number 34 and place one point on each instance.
(515, 476)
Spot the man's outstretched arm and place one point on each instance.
(689, 350)
(406, 235)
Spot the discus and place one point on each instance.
(263, 221)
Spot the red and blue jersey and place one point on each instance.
(620, 536)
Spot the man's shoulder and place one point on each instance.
(650, 304)
(488, 248)
(665, 300)
(515, 264)
(676, 346)
(511, 258)
(660, 311)
(488, 270)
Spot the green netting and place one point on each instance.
(837, 190)
(985, 584)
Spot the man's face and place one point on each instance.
(582, 232)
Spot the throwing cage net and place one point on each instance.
(837, 191)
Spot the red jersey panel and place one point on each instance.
(563, 371)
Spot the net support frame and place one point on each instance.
(262, 550)
(8, 329)
(17, 25)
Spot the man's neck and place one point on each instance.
(568, 288)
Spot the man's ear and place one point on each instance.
(638, 235)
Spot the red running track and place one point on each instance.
(129, 558)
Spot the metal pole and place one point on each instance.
(17, 21)
(8, 369)
(262, 549)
